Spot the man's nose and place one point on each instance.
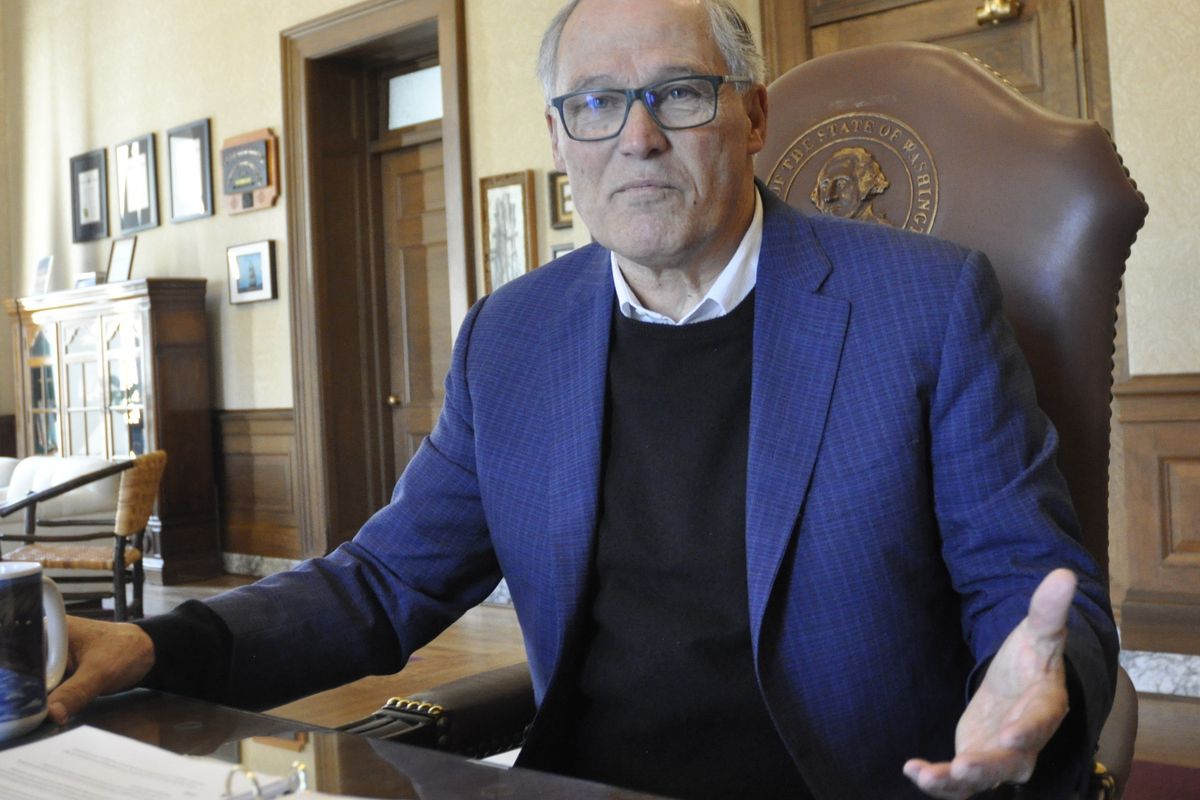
(641, 135)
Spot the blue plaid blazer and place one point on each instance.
(902, 501)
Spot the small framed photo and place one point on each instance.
(120, 260)
(89, 197)
(85, 279)
(189, 161)
(137, 184)
(251, 272)
(562, 207)
(561, 249)
(509, 228)
(41, 275)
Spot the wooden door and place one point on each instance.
(1050, 50)
(418, 287)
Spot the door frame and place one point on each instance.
(340, 480)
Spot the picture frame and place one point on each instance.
(41, 275)
(135, 171)
(251, 271)
(85, 279)
(89, 196)
(189, 165)
(561, 249)
(509, 227)
(562, 206)
(120, 260)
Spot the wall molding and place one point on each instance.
(256, 482)
(1160, 420)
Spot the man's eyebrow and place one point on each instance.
(608, 81)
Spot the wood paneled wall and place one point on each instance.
(8, 435)
(1160, 420)
(256, 481)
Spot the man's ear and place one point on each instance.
(552, 125)
(756, 109)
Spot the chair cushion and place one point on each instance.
(72, 556)
(34, 473)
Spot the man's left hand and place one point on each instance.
(1017, 708)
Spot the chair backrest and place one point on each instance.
(139, 490)
(925, 138)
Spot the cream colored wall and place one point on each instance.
(86, 74)
(1156, 121)
(508, 132)
(7, 401)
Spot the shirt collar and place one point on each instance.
(730, 288)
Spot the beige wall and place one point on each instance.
(1156, 116)
(7, 401)
(85, 74)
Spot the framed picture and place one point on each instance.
(89, 197)
(41, 276)
(250, 171)
(85, 279)
(562, 207)
(251, 272)
(561, 249)
(120, 260)
(509, 229)
(137, 185)
(189, 161)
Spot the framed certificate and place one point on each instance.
(89, 197)
(137, 185)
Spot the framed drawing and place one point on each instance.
(137, 184)
(251, 272)
(561, 249)
(562, 207)
(89, 197)
(189, 160)
(120, 260)
(509, 229)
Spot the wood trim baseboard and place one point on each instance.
(1159, 544)
(256, 482)
(1167, 727)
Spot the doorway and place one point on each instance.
(373, 309)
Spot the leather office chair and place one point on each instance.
(121, 557)
(925, 138)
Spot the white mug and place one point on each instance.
(33, 645)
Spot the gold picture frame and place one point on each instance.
(509, 227)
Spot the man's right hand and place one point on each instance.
(102, 658)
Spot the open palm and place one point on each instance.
(1017, 708)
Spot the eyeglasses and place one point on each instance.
(675, 104)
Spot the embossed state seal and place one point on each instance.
(862, 166)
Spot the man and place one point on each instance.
(768, 553)
(848, 183)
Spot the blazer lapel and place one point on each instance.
(576, 345)
(798, 337)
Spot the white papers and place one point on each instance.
(91, 764)
(187, 187)
(89, 196)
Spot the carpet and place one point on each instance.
(1149, 780)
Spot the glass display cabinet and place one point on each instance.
(117, 370)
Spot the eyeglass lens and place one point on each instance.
(678, 103)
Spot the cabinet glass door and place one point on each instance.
(83, 398)
(126, 393)
(43, 392)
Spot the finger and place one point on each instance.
(71, 696)
(1050, 604)
(969, 775)
(934, 779)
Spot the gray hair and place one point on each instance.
(729, 29)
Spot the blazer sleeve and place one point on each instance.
(1003, 508)
(415, 567)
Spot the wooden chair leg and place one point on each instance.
(139, 579)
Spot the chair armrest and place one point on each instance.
(476, 716)
(75, 523)
(33, 538)
(33, 498)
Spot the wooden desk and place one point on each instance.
(336, 763)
